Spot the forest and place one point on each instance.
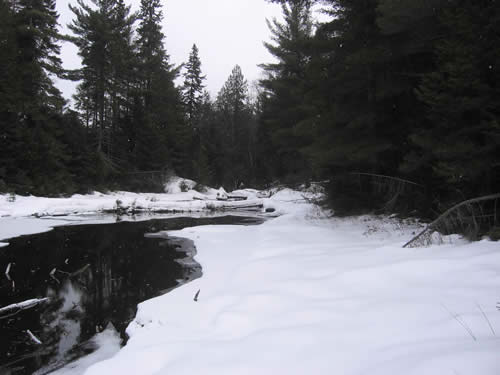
(402, 95)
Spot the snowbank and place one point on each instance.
(301, 294)
(108, 343)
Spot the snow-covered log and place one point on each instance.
(235, 205)
(15, 308)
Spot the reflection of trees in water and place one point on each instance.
(62, 322)
(102, 273)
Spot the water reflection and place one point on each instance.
(94, 275)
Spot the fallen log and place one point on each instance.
(15, 308)
(236, 198)
(455, 220)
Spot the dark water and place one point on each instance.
(93, 275)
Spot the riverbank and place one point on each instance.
(308, 294)
(20, 215)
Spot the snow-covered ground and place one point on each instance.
(304, 293)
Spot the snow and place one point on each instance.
(222, 194)
(176, 185)
(91, 204)
(305, 293)
(17, 226)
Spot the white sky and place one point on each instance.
(227, 32)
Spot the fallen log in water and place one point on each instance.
(15, 308)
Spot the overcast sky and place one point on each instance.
(227, 32)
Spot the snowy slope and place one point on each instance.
(302, 294)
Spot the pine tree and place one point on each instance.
(38, 53)
(103, 34)
(192, 90)
(461, 137)
(152, 55)
(235, 131)
(32, 154)
(231, 101)
(93, 30)
(162, 123)
(285, 117)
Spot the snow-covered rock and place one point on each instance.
(176, 185)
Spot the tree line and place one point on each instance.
(129, 116)
(400, 88)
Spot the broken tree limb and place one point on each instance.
(33, 338)
(454, 219)
(80, 271)
(390, 178)
(7, 272)
(15, 308)
(52, 275)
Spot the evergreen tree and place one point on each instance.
(192, 90)
(94, 37)
(235, 131)
(38, 54)
(32, 154)
(460, 138)
(164, 141)
(285, 116)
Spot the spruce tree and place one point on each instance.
(161, 127)
(33, 157)
(285, 117)
(192, 89)
(460, 138)
(235, 133)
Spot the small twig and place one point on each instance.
(196, 295)
(7, 271)
(462, 323)
(52, 275)
(486, 318)
(35, 339)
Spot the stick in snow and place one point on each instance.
(486, 318)
(7, 271)
(196, 295)
(461, 322)
(33, 337)
(52, 273)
